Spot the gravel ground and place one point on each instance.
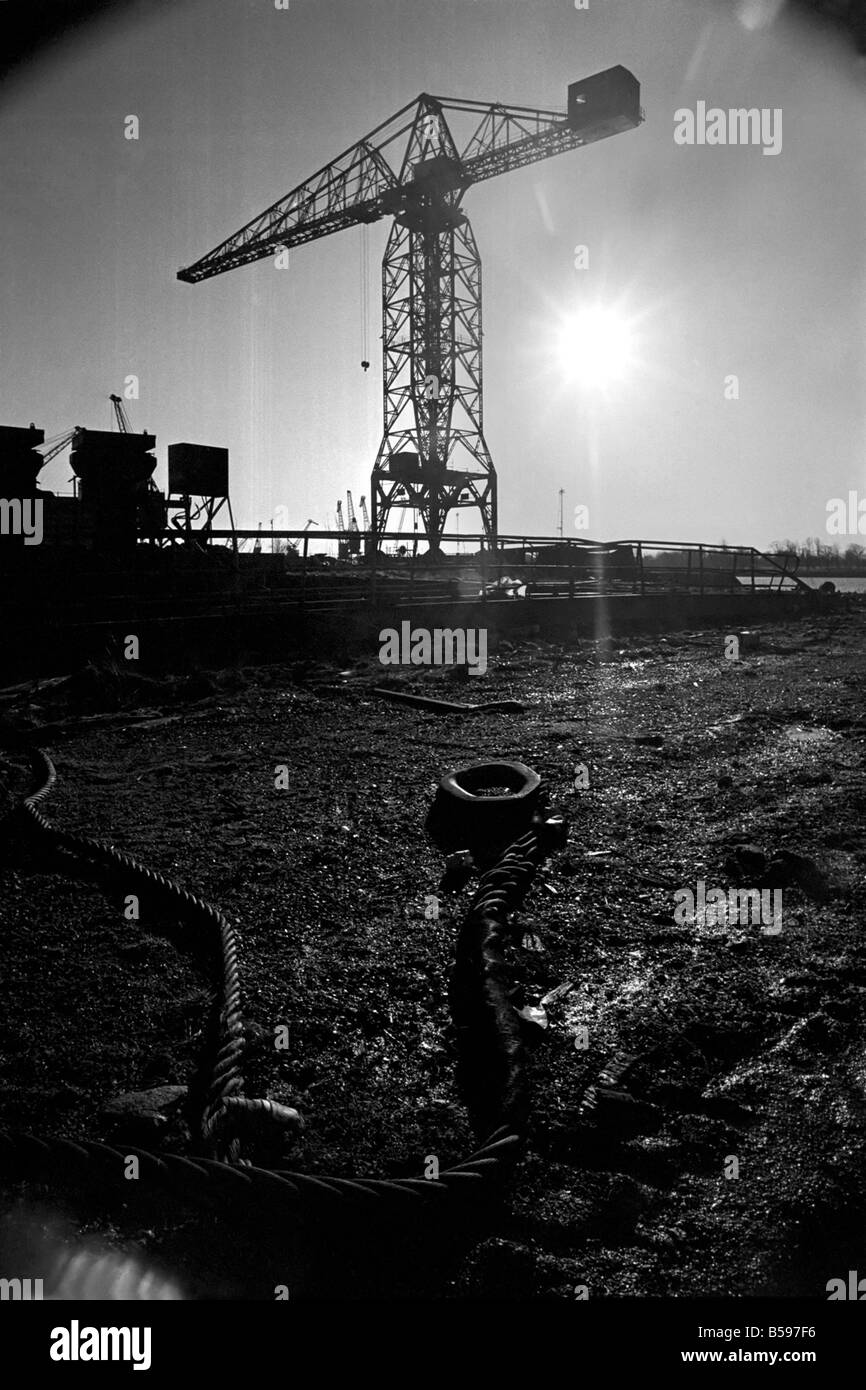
(722, 1149)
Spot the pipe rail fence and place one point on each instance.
(221, 580)
(511, 567)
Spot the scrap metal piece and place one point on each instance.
(449, 706)
(459, 868)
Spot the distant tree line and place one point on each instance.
(821, 557)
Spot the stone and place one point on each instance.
(787, 867)
(746, 863)
(145, 1110)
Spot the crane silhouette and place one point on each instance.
(433, 456)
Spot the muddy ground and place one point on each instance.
(722, 1152)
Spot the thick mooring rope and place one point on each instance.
(226, 1079)
(490, 1054)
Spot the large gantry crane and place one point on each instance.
(433, 456)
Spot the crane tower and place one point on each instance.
(433, 456)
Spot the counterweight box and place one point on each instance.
(605, 103)
(198, 470)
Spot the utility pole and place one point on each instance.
(561, 495)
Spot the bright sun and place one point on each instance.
(596, 346)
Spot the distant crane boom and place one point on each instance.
(120, 415)
(57, 446)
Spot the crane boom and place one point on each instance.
(57, 446)
(120, 414)
(360, 185)
(431, 343)
(342, 194)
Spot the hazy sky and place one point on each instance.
(729, 261)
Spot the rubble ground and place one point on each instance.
(698, 1089)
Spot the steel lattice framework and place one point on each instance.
(433, 456)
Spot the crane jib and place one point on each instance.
(433, 456)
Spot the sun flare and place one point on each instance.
(597, 346)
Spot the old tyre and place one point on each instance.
(484, 803)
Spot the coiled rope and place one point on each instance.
(490, 1054)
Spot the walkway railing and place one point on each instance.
(159, 583)
(505, 568)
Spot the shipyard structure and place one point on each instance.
(115, 504)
